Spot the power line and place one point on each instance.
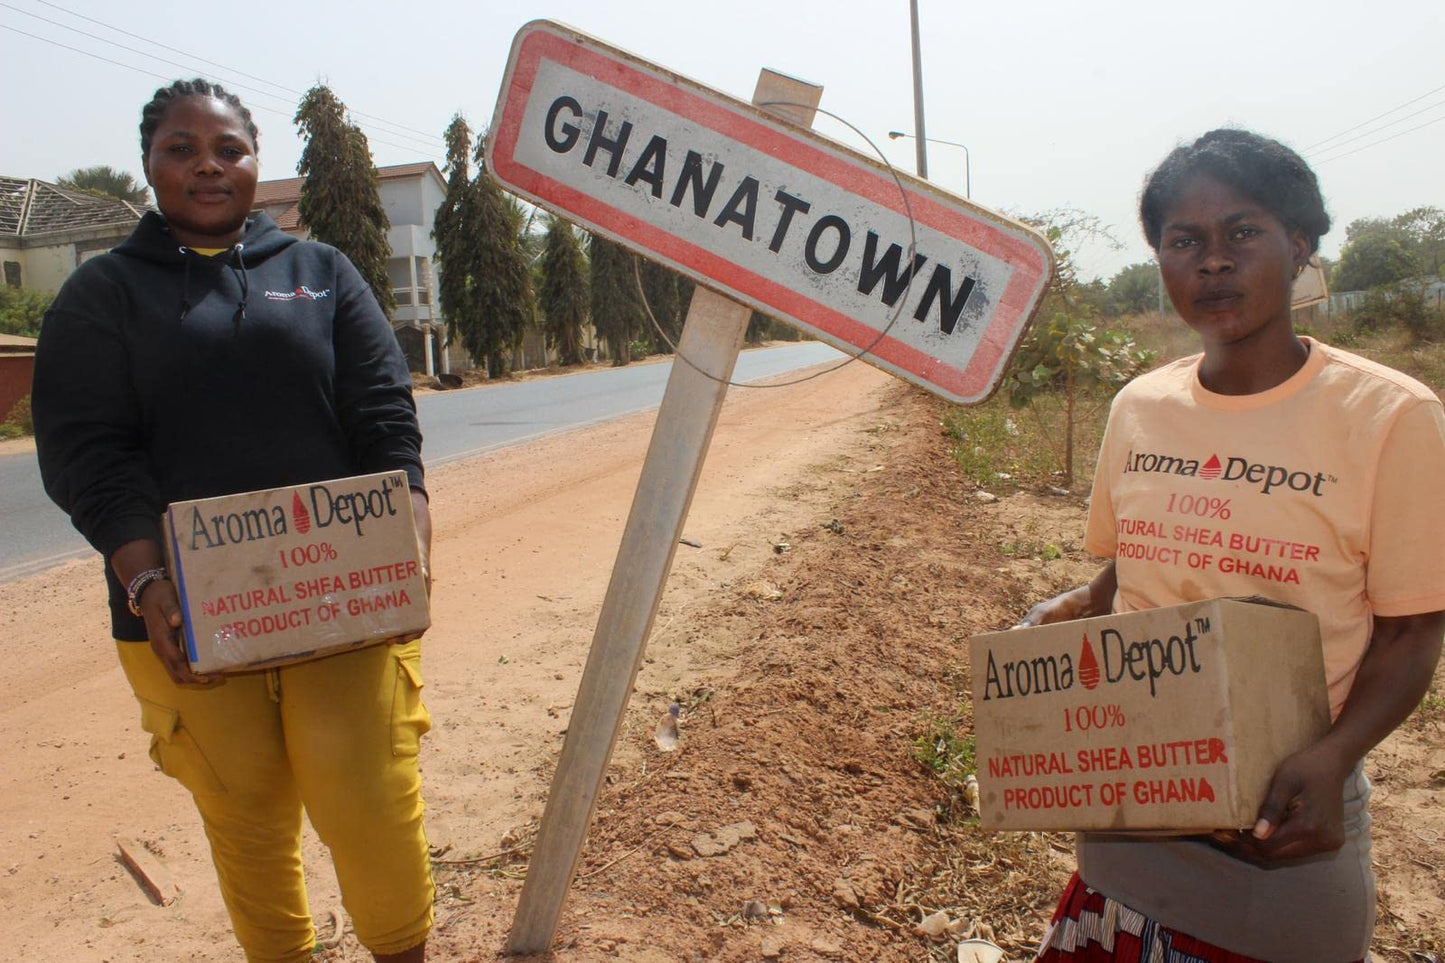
(1383, 127)
(289, 90)
(163, 60)
(430, 139)
(152, 73)
(1351, 130)
(57, 43)
(122, 46)
(137, 36)
(1383, 140)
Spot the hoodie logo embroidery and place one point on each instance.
(303, 293)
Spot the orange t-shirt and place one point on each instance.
(1322, 492)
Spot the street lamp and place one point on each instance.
(967, 164)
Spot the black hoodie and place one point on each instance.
(164, 375)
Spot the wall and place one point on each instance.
(17, 371)
(46, 261)
(45, 268)
(402, 198)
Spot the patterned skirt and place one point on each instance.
(1088, 927)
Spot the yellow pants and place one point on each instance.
(337, 736)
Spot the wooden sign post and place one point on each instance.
(748, 201)
(712, 336)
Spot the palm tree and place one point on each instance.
(107, 182)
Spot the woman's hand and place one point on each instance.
(1095, 598)
(1071, 605)
(161, 609)
(1304, 811)
(421, 512)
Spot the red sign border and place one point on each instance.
(810, 153)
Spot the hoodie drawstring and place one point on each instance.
(236, 263)
(243, 278)
(185, 285)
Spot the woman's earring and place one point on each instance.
(1299, 269)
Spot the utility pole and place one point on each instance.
(920, 139)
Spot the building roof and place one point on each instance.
(16, 344)
(288, 189)
(33, 207)
(278, 192)
(272, 195)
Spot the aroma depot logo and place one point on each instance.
(318, 506)
(299, 515)
(303, 293)
(1232, 468)
(1088, 665)
(1124, 661)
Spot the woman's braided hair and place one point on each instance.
(154, 112)
(1262, 169)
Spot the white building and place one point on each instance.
(411, 194)
(47, 231)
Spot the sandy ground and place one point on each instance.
(811, 642)
(17, 446)
(525, 540)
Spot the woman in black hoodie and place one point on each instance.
(212, 354)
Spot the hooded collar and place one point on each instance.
(152, 241)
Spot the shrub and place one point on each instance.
(21, 310)
(1403, 306)
(1063, 359)
(19, 424)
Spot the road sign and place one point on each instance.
(1310, 287)
(784, 220)
(712, 336)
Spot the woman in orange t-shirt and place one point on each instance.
(1330, 510)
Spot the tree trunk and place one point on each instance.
(1069, 431)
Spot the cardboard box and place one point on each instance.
(288, 574)
(1170, 719)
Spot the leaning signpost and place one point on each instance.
(768, 216)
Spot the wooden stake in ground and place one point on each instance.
(711, 339)
(154, 878)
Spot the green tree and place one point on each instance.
(1067, 356)
(340, 198)
(1425, 226)
(562, 292)
(1373, 260)
(1134, 290)
(21, 310)
(1382, 251)
(664, 296)
(1367, 226)
(762, 327)
(456, 231)
(107, 182)
(617, 310)
(502, 283)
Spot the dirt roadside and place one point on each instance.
(524, 545)
(809, 640)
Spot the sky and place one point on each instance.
(1061, 104)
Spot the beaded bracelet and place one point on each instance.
(139, 584)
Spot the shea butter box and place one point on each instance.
(288, 574)
(1170, 719)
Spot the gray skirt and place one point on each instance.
(1315, 910)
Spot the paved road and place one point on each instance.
(35, 535)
